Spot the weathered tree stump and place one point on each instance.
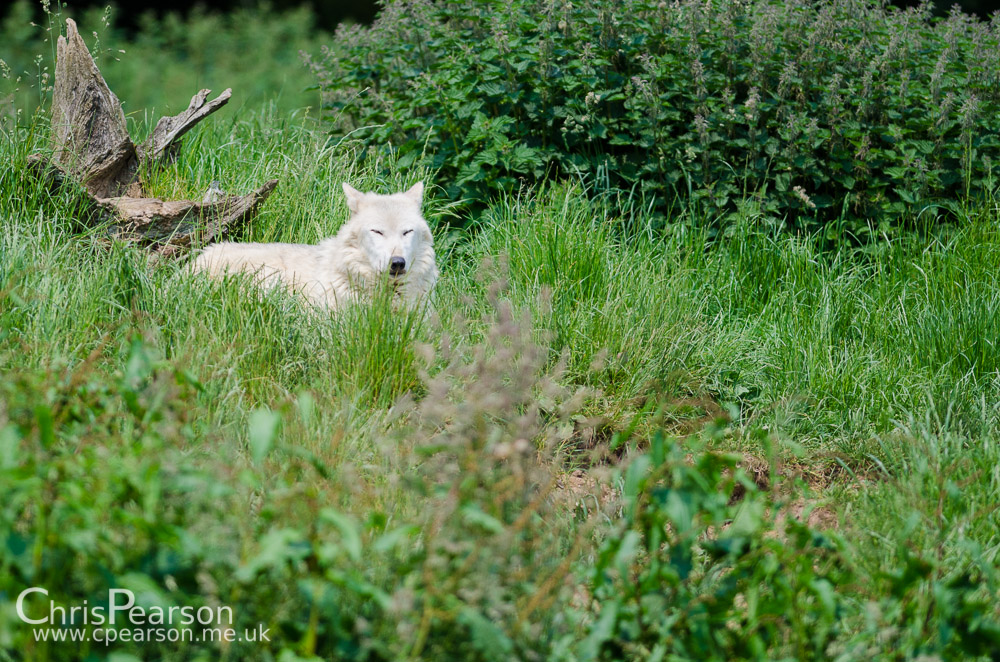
(91, 145)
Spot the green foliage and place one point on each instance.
(98, 492)
(538, 470)
(109, 484)
(156, 71)
(846, 117)
(937, 562)
(690, 575)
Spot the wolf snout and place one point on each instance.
(397, 266)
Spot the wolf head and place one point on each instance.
(388, 230)
(387, 237)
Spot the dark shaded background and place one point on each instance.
(330, 13)
(982, 8)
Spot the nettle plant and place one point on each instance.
(845, 114)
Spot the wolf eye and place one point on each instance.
(407, 232)
(378, 232)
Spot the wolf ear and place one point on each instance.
(354, 197)
(416, 193)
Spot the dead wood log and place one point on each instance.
(169, 129)
(91, 145)
(90, 140)
(181, 223)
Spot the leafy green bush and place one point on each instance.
(99, 491)
(693, 575)
(829, 114)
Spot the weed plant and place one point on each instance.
(844, 119)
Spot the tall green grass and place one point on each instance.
(831, 349)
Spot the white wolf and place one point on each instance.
(385, 237)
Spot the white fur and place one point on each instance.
(344, 268)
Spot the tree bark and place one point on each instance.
(181, 223)
(91, 145)
(89, 136)
(170, 129)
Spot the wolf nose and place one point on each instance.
(397, 265)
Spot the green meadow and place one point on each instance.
(611, 437)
